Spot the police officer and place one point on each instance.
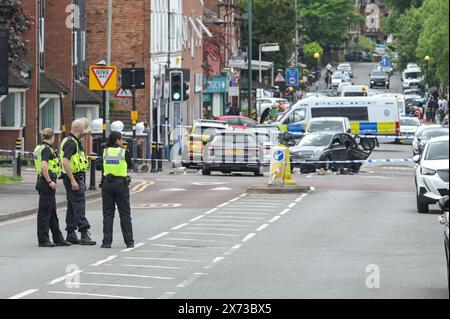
(48, 167)
(116, 160)
(75, 164)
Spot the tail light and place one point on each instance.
(397, 128)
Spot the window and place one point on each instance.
(12, 110)
(91, 112)
(49, 113)
(296, 116)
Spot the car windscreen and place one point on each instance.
(409, 122)
(437, 151)
(233, 121)
(378, 74)
(435, 133)
(322, 126)
(207, 130)
(337, 75)
(316, 140)
(412, 75)
(248, 123)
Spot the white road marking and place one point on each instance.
(152, 266)
(127, 275)
(220, 189)
(211, 228)
(223, 205)
(291, 205)
(158, 236)
(274, 219)
(173, 190)
(237, 217)
(162, 258)
(190, 239)
(287, 210)
(173, 251)
(255, 205)
(164, 245)
(262, 227)
(190, 279)
(111, 285)
(60, 279)
(179, 226)
(313, 188)
(214, 262)
(109, 258)
(24, 294)
(210, 234)
(225, 212)
(228, 220)
(251, 209)
(237, 246)
(210, 211)
(197, 218)
(167, 295)
(133, 248)
(92, 295)
(18, 220)
(231, 225)
(234, 199)
(248, 237)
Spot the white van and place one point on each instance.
(353, 90)
(400, 101)
(372, 115)
(412, 77)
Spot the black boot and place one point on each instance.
(47, 244)
(72, 238)
(86, 239)
(63, 243)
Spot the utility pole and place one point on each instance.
(166, 113)
(133, 92)
(108, 56)
(296, 34)
(249, 56)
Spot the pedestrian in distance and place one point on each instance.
(115, 190)
(75, 164)
(327, 80)
(48, 166)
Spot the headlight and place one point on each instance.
(372, 81)
(427, 171)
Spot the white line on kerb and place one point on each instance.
(262, 227)
(210, 211)
(24, 294)
(167, 295)
(285, 211)
(136, 246)
(159, 236)
(274, 219)
(109, 258)
(191, 279)
(237, 246)
(197, 218)
(60, 279)
(179, 226)
(222, 205)
(248, 237)
(92, 295)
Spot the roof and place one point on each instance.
(16, 80)
(85, 96)
(50, 85)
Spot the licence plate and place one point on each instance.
(234, 152)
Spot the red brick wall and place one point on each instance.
(130, 42)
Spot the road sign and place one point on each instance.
(123, 94)
(280, 78)
(270, 48)
(102, 78)
(292, 77)
(385, 62)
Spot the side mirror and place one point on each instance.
(204, 142)
(443, 203)
(416, 158)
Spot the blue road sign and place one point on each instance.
(278, 156)
(385, 62)
(292, 77)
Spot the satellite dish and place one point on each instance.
(97, 125)
(117, 126)
(140, 128)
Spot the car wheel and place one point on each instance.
(205, 171)
(422, 208)
(259, 171)
(367, 144)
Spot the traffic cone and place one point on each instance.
(425, 117)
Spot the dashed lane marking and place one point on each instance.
(60, 279)
(158, 236)
(179, 226)
(248, 237)
(274, 219)
(214, 262)
(262, 227)
(163, 258)
(197, 218)
(127, 275)
(109, 258)
(287, 210)
(191, 279)
(208, 234)
(133, 248)
(24, 294)
(92, 295)
(154, 266)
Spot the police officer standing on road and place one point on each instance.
(116, 160)
(75, 164)
(48, 167)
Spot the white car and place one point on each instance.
(329, 124)
(411, 77)
(432, 173)
(270, 105)
(346, 67)
(417, 136)
(337, 78)
(408, 128)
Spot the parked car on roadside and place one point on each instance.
(443, 205)
(431, 177)
(408, 128)
(429, 134)
(418, 134)
(236, 121)
(233, 151)
(346, 67)
(329, 124)
(327, 146)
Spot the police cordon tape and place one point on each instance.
(398, 137)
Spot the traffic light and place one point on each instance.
(186, 90)
(176, 86)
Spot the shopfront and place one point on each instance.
(215, 96)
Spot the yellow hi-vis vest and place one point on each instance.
(114, 162)
(54, 164)
(78, 162)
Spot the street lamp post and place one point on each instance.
(250, 54)
(317, 57)
(427, 59)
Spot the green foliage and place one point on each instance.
(5, 180)
(311, 48)
(364, 44)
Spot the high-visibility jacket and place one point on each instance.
(114, 162)
(54, 164)
(79, 162)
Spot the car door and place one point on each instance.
(338, 152)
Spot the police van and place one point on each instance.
(373, 115)
(353, 91)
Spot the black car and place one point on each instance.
(361, 56)
(327, 146)
(379, 79)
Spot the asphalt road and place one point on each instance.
(354, 236)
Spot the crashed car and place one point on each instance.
(327, 146)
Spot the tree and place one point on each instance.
(11, 11)
(434, 39)
(364, 43)
(328, 21)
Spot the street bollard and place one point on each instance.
(154, 156)
(17, 165)
(93, 157)
(159, 157)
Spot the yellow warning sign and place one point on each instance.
(102, 78)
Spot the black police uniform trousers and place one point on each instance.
(46, 217)
(76, 204)
(115, 191)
